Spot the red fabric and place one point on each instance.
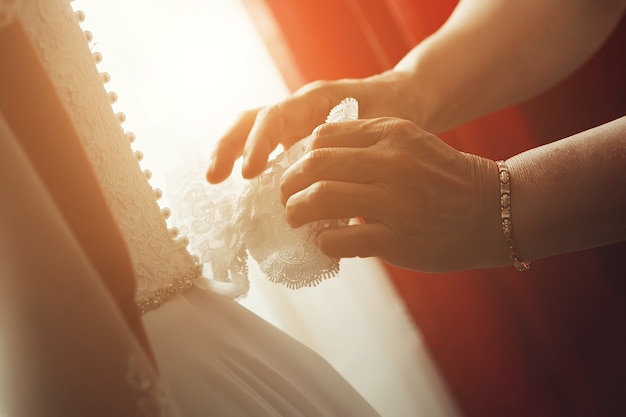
(548, 342)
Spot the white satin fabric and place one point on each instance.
(57, 320)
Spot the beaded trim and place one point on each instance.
(505, 212)
(161, 295)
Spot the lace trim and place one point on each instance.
(287, 256)
(8, 10)
(224, 224)
(205, 214)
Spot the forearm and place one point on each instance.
(570, 195)
(491, 54)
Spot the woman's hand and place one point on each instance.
(423, 205)
(257, 132)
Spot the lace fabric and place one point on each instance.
(60, 43)
(223, 226)
(286, 255)
(162, 263)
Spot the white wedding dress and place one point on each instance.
(214, 356)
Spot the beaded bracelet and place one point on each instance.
(505, 213)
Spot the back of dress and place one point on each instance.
(216, 357)
(162, 264)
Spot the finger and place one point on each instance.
(336, 164)
(230, 146)
(362, 240)
(332, 200)
(287, 122)
(353, 134)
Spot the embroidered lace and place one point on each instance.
(161, 262)
(223, 224)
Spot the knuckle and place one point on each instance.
(315, 87)
(268, 112)
(319, 191)
(316, 160)
(323, 135)
(398, 145)
(399, 128)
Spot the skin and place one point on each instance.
(424, 205)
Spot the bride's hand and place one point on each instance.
(424, 205)
(257, 132)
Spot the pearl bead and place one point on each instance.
(158, 193)
(166, 212)
(147, 173)
(121, 117)
(97, 56)
(88, 36)
(105, 77)
(173, 231)
(113, 96)
(139, 155)
(130, 136)
(80, 15)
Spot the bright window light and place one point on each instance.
(182, 69)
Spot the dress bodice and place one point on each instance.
(224, 225)
(163, 266)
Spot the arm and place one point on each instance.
(490, 53)
(571, 194)
(431, 208)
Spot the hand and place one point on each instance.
(424, 205)
(257, 132)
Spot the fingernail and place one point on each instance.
(245, 169)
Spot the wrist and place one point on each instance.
(506, 216)
(491, 250)
(395, 93)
